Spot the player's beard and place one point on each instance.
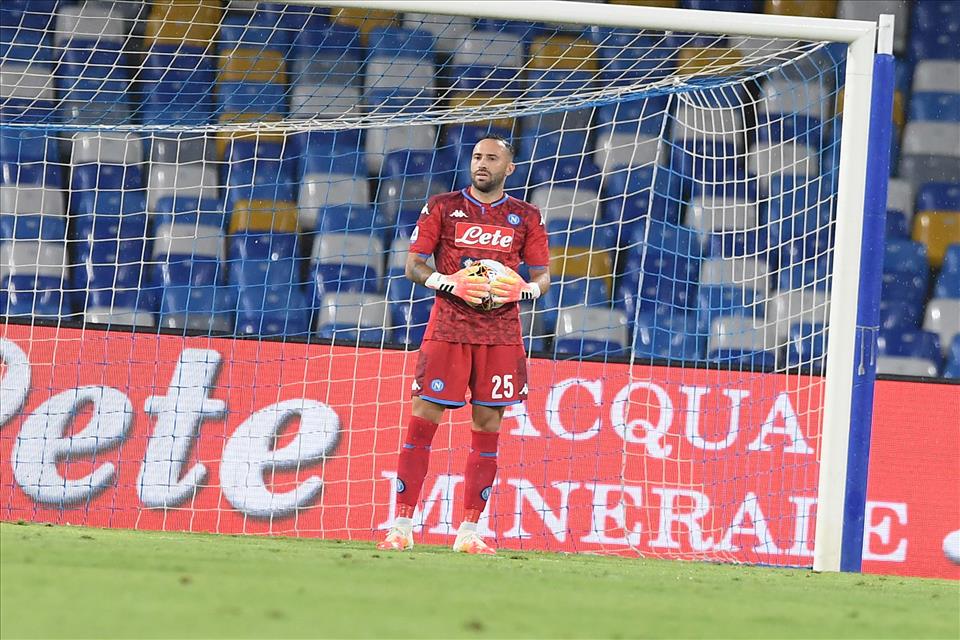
(493, 184)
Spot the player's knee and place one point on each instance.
(487, 418)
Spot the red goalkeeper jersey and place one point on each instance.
(457, 230)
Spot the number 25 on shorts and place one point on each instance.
(502, 387)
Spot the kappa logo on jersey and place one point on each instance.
(414, 235)
(485, 236)
(424, 211)
(513, 219)
(458, 214)
(415, 386)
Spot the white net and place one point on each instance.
(180, 175)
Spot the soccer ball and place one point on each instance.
(488, 269)
(951, 546)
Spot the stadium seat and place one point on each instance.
(806, 263)
(448, 31)
(33, 275)
(630, 56)
(347, 262)
(723, 207)
(787, 308)
(807, 346)
(379, 143)
(906, 366)
(905, 256)
(798, 206)
(399, 67)
(635, 194)
(407, 180)
(739, 6)
(900, 315)
(590, 331)
(900, 203)
(365, 20)
(188, 254)
(106, 148)
(629, 134)
(746, 273)
(791, 110)
(567, 293)
(930, 151)
(353, 317)
(668, 334)
(766, 160)
(716, 301)
(741, 341)
(915, 344)
(710, 59)
(952, 368)
(178, 85)
(183, 22)
(906, 286)
(811, 8)
(935, 107)
(936, 76)
(933, 33)
(939, 196)
(943, 318)
(937, 230)
(569, 190)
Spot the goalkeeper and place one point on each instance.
(465, 346)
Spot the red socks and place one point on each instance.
(479, 474)
(413, 463)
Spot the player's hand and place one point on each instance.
(510, 287)
(465, 284)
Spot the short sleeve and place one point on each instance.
(427, 232)
(536, 249)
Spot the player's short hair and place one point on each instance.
(499, 138)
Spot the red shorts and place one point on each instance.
(495, 373)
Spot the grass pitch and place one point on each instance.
(82, 583)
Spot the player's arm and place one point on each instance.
(510, 287)
(465, 284)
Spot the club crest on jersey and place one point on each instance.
(484, 236)
(513, 219)
(458, 214)
(437, 385)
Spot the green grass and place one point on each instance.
(79, 582)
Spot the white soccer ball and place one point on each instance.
(489, 269)
(951, 546)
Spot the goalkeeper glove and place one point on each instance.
(465, 284)
(510, 287)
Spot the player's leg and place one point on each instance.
(498, 379)
(440, 383)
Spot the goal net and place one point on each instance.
(205, 209)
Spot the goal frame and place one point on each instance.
(859, 234)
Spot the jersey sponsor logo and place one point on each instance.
(437, 385)
(458, 214)
(485, 236)
(513, 219)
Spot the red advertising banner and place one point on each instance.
(236, 436)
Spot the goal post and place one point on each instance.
(212, 201)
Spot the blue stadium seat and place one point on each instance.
(352, 317)
(952, 368)
(797, 206)
(806, 263)
(270, 299)
(928, 105)
(905, 256)
(346, 262)
(258, 171)
(739, 6)
(668, 334)
(939, 196)
(407, 180)
(178, 85)
(716, 301)
(399, 66)
(899, 315)
(629, 56)
(629, 200)
(915, 344)
(568, 293)
(910, 287)
(807, 346)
